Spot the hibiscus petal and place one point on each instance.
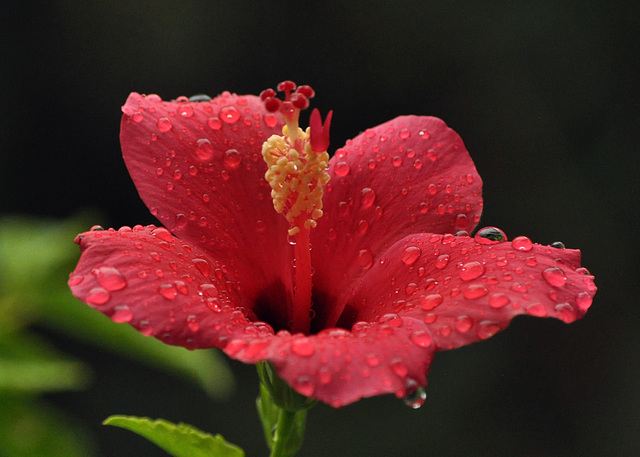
(412, 174)
(465, 291)
(339, 367)
(198, 167)
(162, 287)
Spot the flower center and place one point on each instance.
(297, 162)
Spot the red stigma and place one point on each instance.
(319, 134)
(296, 98)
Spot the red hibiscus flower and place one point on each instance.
(387, 283)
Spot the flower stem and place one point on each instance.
(284, 429)
(302, 293)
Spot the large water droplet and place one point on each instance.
(442, 261)
(463, 324)
(168, 291)
(475, 291)
(232, 158)
(555, 276)
(410, 255)
(97, 296)
(164, 124)
(431, 301)
(498, 300)
(122, 314)
(303, 347)
(367, 197)
(185, 110)
(490, 235)
(415, 395)
(271, 120)
(204, 149)
(214, 123)
(487, 329)
(110, 278)
(342, 169)
(304, 386)
(422, 339)
(471, 270)
(399, 368)
(229, 114)
(584, 300)
(365, 259)
(522, 243)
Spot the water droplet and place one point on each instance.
(566, 312)
(536, 309)
(367, 197)
(404, 134)
(471, 270)
(162, 233)
(463, 324)
(122, 314)
(168, 291)
(271, 120)
(399, 368)
(365, 259)
(97, 228)
(232, 158)
(342, 169)
(555, 276)
(164, 124)
(203, 266)
(303, 347)
(304, 386)
(204, 149)
(415, 395)
(498, 300)
(229, 114)
(522, 243)
(110, 278)
(214, 123)
(486, 329)
(429, 302)
(372, 360)
(422, 339)
(584, 300)
(97, 296)
(74, 280)
(137, 116)
(411, 254)
(185, 110)
(200, 98)
(474, 291)
(396, 161)
(558, 245)
(442, 261)
(490, 235)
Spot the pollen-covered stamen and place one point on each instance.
(297, 174)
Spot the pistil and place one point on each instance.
(297, 163)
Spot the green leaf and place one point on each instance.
(181, 440)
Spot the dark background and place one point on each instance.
(545, 96)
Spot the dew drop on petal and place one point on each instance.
(168, 291)
(164, 124)
(475, 291)
(162, 233)
(203, 266)
(270, 119)
(584, 300)
(232, 159)
(410, 255)
(558, 245)
(463, 324)
(303, 347)
(404, 134)
(415, 395)
(486, 329)
(229, 114)
(185, 110)
(421, 339)
(204, 149)
(442, 261)
(399, 368)
(429, 302)
(97, 296)
(122, 314)
(110, 278)
(365, 259)
(490, 235)
(536, 309)
(471, 270)
(498, 300)
(304, 386)
(555, 276)
(566, 312)
(74, 280)
(522, 243)
(214, 123)
(342, 169)
(367, 197)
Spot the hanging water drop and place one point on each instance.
(415, 395)
(490, 235)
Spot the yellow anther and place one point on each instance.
(296, 175)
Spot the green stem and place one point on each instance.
(284, 429)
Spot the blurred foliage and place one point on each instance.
(35, 259)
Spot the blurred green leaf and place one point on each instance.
(31, 429)
(181, 440)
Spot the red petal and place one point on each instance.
(409, 175)
(465, 291)
(339, 367)
(161, 286)
(199, 168)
